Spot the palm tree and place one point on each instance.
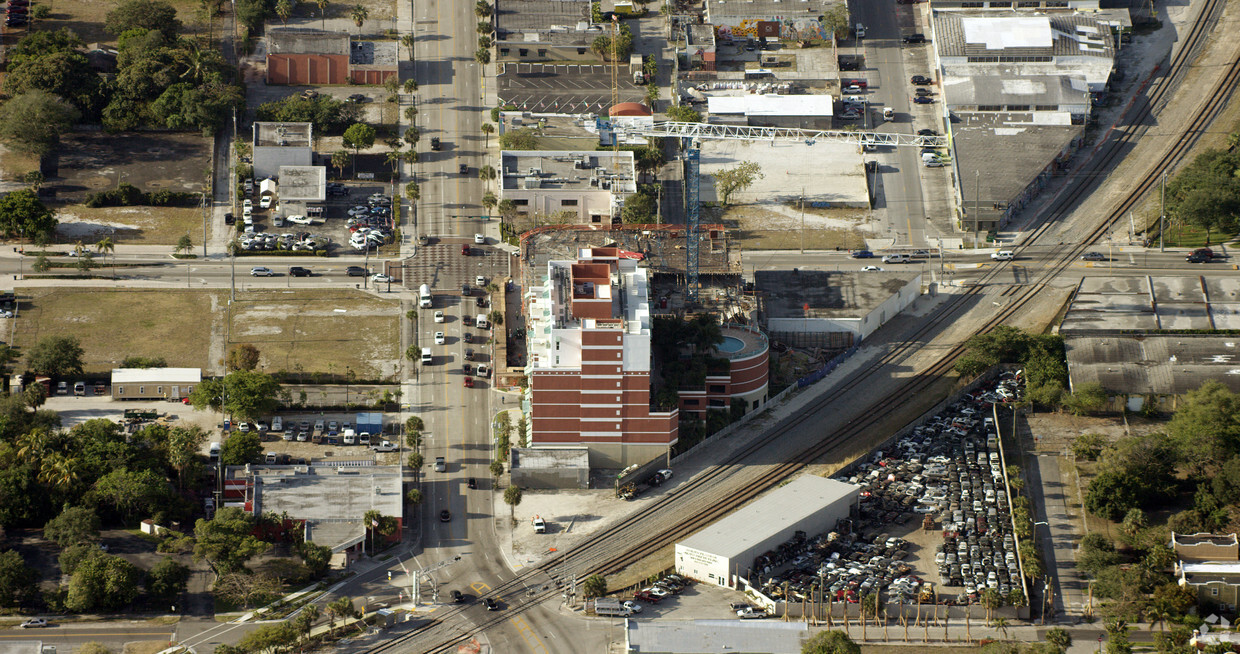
(482, 9)
(359, 15)
(106, 246)
(411, 85)
(483, 56)
(487, 130)
(393, 159)
(57, 470)
(412, 192)
(408, 41)
(310, 614)
(411, 113)
(1001, 624)
(322, 11)
(340, 159)
(484, 41)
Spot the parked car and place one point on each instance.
(381, 278)
(921, 99)
(357, 98)
(921, 80)
(914, 38)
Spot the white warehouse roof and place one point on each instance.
(155, 375)
(1001, 32)
(787, 505)
(770, 105)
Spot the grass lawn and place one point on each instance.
(1190, 236)
(175, 325)
(131, 225)
(320, 331)
(917, 649)
(13, 165)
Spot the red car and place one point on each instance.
(465, 250)
(647, 597)
(469, 382)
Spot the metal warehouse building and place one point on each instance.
(727, 548)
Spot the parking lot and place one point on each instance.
(948, 473)
(349, 208)
(564, 87)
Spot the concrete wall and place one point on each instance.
(548, 203)
(307, 69)
(152, 390)
(551, 478)
(890, 307)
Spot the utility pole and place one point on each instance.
(802, 220)
(977, 194)
(1162, 214)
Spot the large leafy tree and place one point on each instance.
(74, 526)
(66, 74)
(23, 214)
(33, 121)
(227, 541)
(132, 494)
(1206, 426)
(102, 582)
(183, 106)
(359, 136)
(41, 43)
(733, 180)
(830, 642)
(17, 580)
(246, 394)
(325, 113)
(147, 14)
(167, 579)
(241, 448)
(55, 356)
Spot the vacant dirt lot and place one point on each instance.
(94, 161)
(778, 227)
(114, 324)
(132, 225)
(320, 331)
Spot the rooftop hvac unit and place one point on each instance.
(531, 183)
(534, 171)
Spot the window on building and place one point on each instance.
(1047, 107)
(1214, 591)
(1055, 4)
(755, 404)
(522, 52)
(717, 388)
(141, 390)
(568, 203)
(581, 51)
(717, 404)
(542, 53)
(691, 402)
(503, 52)
(120, 390)
(1028, 4)
(159, 390)
(520, 203)
(595, 218)
(1000, 5)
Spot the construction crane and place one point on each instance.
(690, 133)
(615, 80)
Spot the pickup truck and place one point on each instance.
(647, 597)
(385, 446)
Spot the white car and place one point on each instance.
(480, 281)
(872, 269)
(656, 591)
(300, 220)
(479, 239)
(34, 623)
(633, 606)
(439, 316)
(264, 202)
(439, 339)
(247, 204)
(261, 271)
(380, 278)
(1002, 255)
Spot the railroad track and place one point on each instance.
(696, 502)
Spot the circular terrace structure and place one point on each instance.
(748, 354)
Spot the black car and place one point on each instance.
(480, 301)
(355, 271)
(435, 144)
(1198, 257)
(466, 290)
(298, 271)
(923, 92)
(473, 483)
(492, 605)
(914, 38)
(464, 169)
(445, 516)
(356, 97)
(457, 597)
(927, 132)
(921, 99)
(921, 80)
(230, 219)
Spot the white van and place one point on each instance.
(213, 452)
(277, 423)
(424, 296)
(481, 321)
(860, 31)
(426, 356)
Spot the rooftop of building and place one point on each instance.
(156, 375)
(771, 104)
(1006, 91)
(828, 294)
(662, 247)
(288, 40)
(741, 341)
(303, 183)
(984, 34)
(567, 170)
(769, 514)
(1190, 540)
(290, 135)
(1153, 364)
(332, 500)
(1128, 304)
(379, 54)
(545, 458)
(700, 35)
(767, 9)
(714, 636)
(515, 17)
(1010, 150)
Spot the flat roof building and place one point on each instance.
(328, 499)
(308, 56)
(545, 30)
(586, 187)
(726, 550)
(1025, 94)
(588, 365)
(281, 144)
(303, 184)
(836, 310)
(1127, 304)
(772, 110)
(714, 636)
(154, 383)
